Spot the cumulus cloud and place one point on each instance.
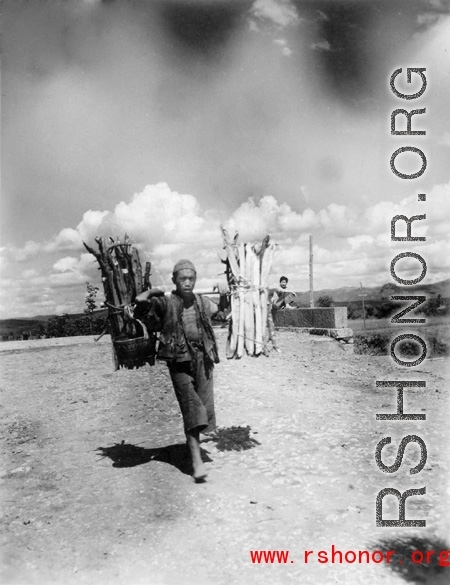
(66, 279)
(159, 214)
(279, 12)
(66, 264)
(28, 251)
(349, 243)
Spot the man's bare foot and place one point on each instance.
(200, 474)
(193, 442)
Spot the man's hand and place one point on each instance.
(148, 294)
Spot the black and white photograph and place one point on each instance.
(225, 292)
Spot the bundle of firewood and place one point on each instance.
(247, 269)
(123, 280)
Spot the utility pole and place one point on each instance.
(311, 288)
(362, 295)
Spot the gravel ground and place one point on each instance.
(97, 488)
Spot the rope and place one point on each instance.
(245, 337)
(120, 307)
(236, 289)
(126, 310)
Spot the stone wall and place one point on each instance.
(319, 318)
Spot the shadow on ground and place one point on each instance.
(232, 439)
(127, 455)
(411, 559)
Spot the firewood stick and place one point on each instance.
(241, 329)
(94, 253)
(266, 263)
(114, 281)
(233, 272)
(147, 285)
(112, 263)
(127, 252)
(232, 338)
(236, 309)
(118, 277)
(115, 319)
(127, 287)
(264, 309)
(256, 302)
(233, 263)
(249, 321)
(264, 298)
(230, 345)
(130, 279)
(134, 269)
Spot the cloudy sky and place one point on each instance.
(167, 118)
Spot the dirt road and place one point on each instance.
(96, 484)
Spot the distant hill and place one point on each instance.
(377, 294)
(45, 318)
(40, 317)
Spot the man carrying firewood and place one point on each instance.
(187, 344)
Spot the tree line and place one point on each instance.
(59, 326)
(431, 308)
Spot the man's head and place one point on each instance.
(284, 281)
(184, 277)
